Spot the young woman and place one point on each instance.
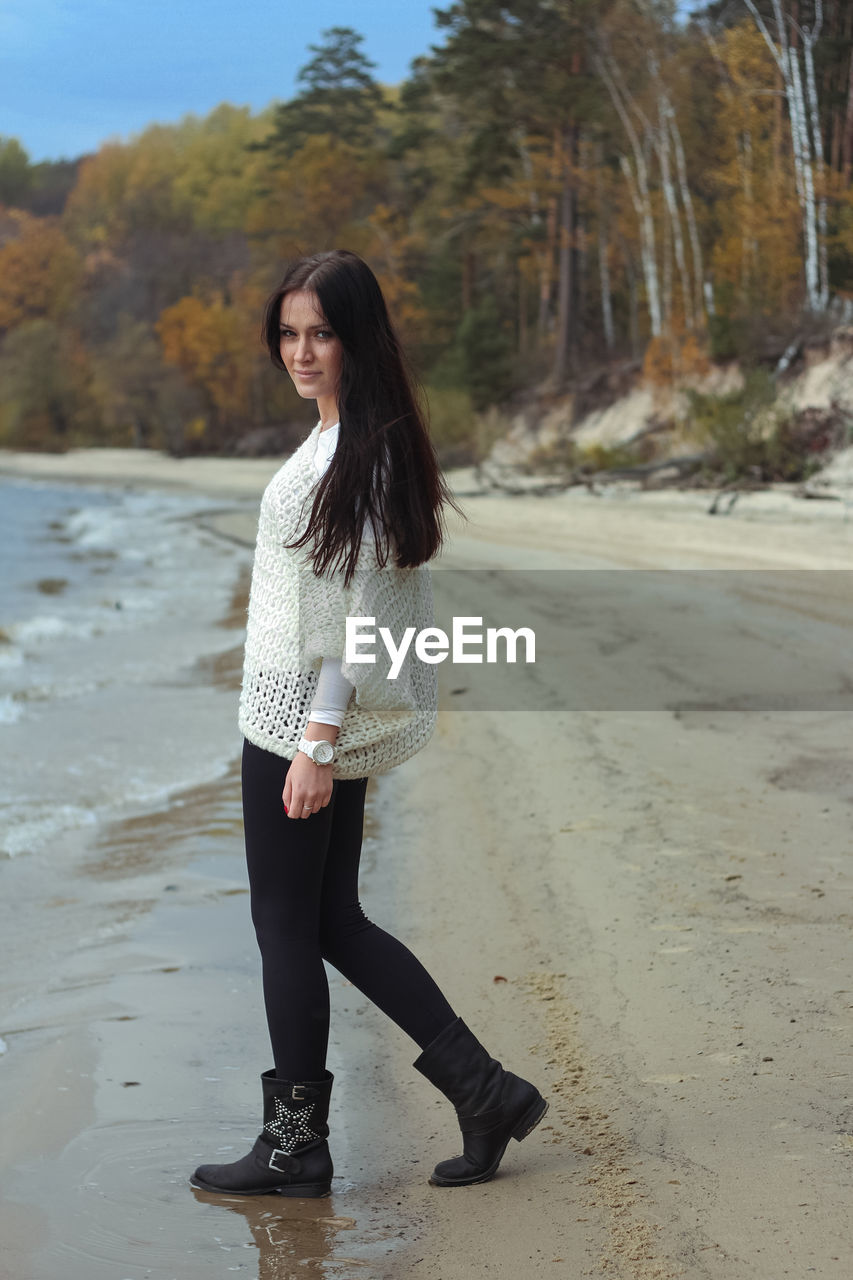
(346, 529)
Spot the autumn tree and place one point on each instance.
(325, 155)
(159, 216)
(556, 185)
(643, 59)
(756, 259)
(521, 81)
(209, 341)
(47, 400)
(39, 272)
(143, 402)
(215, 184)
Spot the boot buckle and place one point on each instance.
(288, 1168)
(298, 1093)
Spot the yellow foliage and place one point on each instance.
(694, 358)
(217, 177)
(39, 272)
(96, 209)
(208, 342)
(757, 254)
(509, 198)
(197, 173)
(657, 362)
(676, 357)
(196, 427)
(318, 200)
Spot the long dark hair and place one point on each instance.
(384, 465)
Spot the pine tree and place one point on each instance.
(339, 97)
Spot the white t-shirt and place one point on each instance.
(331, 699)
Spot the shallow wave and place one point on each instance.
(25, 835)
(104, 703)
(10, 710)
(49, 626)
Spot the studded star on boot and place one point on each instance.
(291, 1128)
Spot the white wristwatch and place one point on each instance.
(320, 751)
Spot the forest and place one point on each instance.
(559, 190)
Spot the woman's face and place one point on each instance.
(311, 352)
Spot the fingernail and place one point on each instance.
(285, 808)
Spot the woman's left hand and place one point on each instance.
(307, 787)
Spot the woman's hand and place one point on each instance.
(307, 787)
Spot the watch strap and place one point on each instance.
(308, 746)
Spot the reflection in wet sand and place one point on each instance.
(127, 1205)
(293, 1237)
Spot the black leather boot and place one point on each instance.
(492, 1105)
(291, 1154)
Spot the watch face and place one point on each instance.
(324, 753)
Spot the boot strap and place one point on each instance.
(303, 1092)
(482, 1122)
(281, 1162)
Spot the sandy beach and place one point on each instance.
(645, 907)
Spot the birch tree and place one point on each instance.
(662, 140)
(654, 128)
(637, 179)
(806, 138)
(604, 254)
(669, 126)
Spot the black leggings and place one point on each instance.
(303, 877)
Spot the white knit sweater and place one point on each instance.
(297, 618)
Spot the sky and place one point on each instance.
(74, 73)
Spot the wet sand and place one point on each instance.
(647, 912)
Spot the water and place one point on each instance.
(113, 605)
(131, 1004)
